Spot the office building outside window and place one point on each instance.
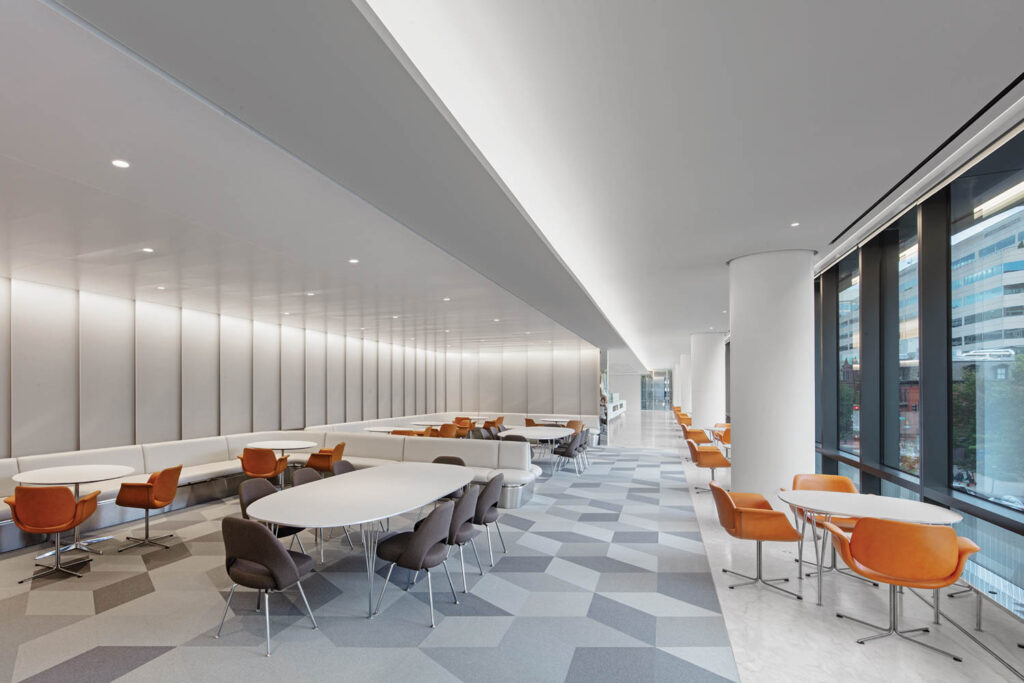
(909, 374)
(849, 354)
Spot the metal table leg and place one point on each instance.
(825, 535)
(371, 537)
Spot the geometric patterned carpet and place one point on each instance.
(605, 579)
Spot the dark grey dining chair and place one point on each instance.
(570, 451)
(251, 490)
(451, 460)
(487, 511)
(255, 558)
(420, 550)
(342, 467)
(461, 531)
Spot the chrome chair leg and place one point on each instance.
(387, 580)
(500, 538)
(462, 561)
(349, 537)
(430, 595)
(306, 602)
(759, 578)
(450, 584)
(479, 564)
(226, 606)
(266, 613)
(301, 549)
(490, 549)
(259, 599)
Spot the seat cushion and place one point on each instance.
(211, 470)
(238, 442)
(392, 547)
(465, 533)
(482, 475)
(359, 463)
(129, 456)
(190, 452)
(516, 477)
(474, 452)
(255, 575)
(368, 445)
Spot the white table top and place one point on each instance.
(867, 505)
(538, 433)
(366, 495)
(428, 423)
(283, 445)
(477, 418)
(72, 474)
(380, 430)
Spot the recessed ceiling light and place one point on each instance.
(287, 313)
(711, 327)
(362, 328)
(724, 311)
(353, 260)
(394, 317)
(161, 287)
(526, 333)
(447, 298)
(120, 163)
(447, 331)
(148, 250)
(794, 225)
(497, 320)
(310, 293)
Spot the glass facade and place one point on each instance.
(987, 327)
(849, 354)
(908, 375)
(656, 390)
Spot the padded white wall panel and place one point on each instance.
(490, 382)
(590, 381)
(5, 368)
(470, 382)
(157, 373)
(397, 380)
(383, 380)
(293, 378)
(539, 386)
(421, 382)
(431, 383)
(316, 378)
(410, 381)
(335, 378)
(566, 378)
(453, 381)
(369, 379)
(236, 375)
(440, 361)
(200, 374)
(266, 376)
(513, 381)
(353, 379)
(106, 349)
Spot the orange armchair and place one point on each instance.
(707, 457)
(158, 492)
(261, 463)
(575, 425)
(750, 516)
(530, 423)
(902, 554)
(683, 420)
(448, 431)
(404, 432)
(324, 460)
(51, 510)
(699, 436)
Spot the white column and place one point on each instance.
(771, 320)
(681, 383)
(707, 378)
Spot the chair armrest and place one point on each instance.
(750, 500)
(764, 525)
(135, 494)
(85, 506)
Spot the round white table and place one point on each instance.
(539, 433)
(364, 497)
(283, 445)
(830, 504)
(380, 430)
(74, 475)
(428, 423)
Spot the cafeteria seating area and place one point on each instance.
(537, 341)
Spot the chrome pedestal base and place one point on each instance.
(59, 566)
(759, 578)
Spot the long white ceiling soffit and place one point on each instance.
(673, 137)
(209, 214)
(320, 82)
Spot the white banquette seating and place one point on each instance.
(212, 469)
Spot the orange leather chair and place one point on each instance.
(750, 516)
(405, 432)
(499, 421)
(464, 424)
(683, 420)
(154, 494)
(707, 457)
(699, 436)
(51, 510)
(902, 554)
(323, 461)
(261, 463)
(530, 423)
(429, 431)
(490, 423)
(449, 431)
(575, 425)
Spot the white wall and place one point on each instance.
(627, 386)
(89, 371)
(681, 383)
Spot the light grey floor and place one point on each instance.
(605, 579)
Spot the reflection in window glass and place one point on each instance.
(987, 327)
(909, 366)
(849, 354)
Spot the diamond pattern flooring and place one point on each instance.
(605, 579)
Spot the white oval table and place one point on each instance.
(428, 423)
(837, 504)
(539, 433)
(74, 475)
(380, 430)
(364, 497)
(283, 445)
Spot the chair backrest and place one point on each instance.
(726, 507)
(530, 423)
(44, 506)
(404, 432)
(252, 490)
(489, 423)
(304, 475)
(694, 451)
(342, 467)
(165, 484)
(494, 432)
(915, 552)
(258, 460)
(727, 436)
(461, 420)
(500, 420)
(449, 431)
(339, 450)
(248, 540)
(449, 460)
(488, 497)
(464, 511)
(516, 437)
(575, 425)
(479, 433)
(823, 482)
(433, 530)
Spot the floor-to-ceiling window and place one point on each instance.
(656, 390)
(987, 327)
(849, 354)
(907, 377)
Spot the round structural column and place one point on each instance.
(707, 378)
(681, 383)
(771, 368)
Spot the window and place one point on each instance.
(987, 216)
(849, 354)
(907, 392)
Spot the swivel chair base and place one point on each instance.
(135, 542)
(759, 578)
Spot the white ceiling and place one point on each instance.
(236, 224)
(653, 141)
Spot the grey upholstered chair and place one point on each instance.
(451, 460)
(255, 558)
(461, 531)
(252, 490)
(305, 475)
(570, 451)
(419, 550)
(480, 433)
(342, 467)
(487, 511)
